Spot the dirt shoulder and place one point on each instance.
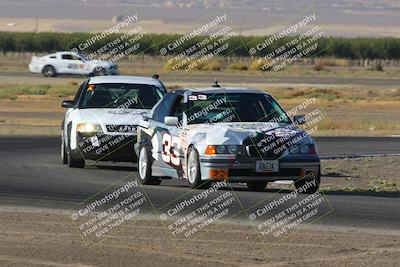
(50, 239)
(375, 175)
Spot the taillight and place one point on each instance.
(313, 150)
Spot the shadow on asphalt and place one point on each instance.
(238, 188)
(363, 193)
(114, 168)
(242, 188)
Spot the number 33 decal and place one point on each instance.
(170, 149)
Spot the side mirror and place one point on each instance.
(67, 104)
(171, 121)
(299, 119)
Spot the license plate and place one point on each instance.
(95, 141)
(267, 166)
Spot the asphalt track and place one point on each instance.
(31, 175)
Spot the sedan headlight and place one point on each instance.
(88, 128)
(232, 149)
(221, 149)
(303, 149)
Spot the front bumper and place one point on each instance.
(244, 170)
(113, 70)
(107, 147)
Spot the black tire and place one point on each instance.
(99, 72)
(256, 186)
(49, 71)
(193, 171)
(74, 160)
(310, 190)
(144, 168)
(64, 158)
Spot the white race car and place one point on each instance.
(101, 122)
(72, 64)
(209, 134)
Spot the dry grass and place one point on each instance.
(260, 65)
(187, 64)
(237, 66)
(13, 91)
(318, 67)
(328, 94)
(332, 62)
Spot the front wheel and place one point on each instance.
(144, 166)
(193, 171)
(63, 150)
(313, 184)
(75, 161)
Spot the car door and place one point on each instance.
(165, 142)
(70, 64)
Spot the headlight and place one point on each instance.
(232, 149)
(88, 128)
(303, 149)
(221, 149)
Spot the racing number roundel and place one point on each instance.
(170, 149)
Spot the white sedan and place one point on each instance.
(71, 64)
(101, 122)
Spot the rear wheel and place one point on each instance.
(49, 71)
(256, 186)
(312, 187)
(144, 166)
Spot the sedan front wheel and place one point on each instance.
(144, 168)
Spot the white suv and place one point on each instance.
(101, 122)
(72, 64)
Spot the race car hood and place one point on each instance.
(115, 116)
(240, 133)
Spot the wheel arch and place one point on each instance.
(49, 65)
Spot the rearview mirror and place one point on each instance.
(170, 121)
(299, 119)
(67, 104)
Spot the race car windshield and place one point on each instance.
(234, 107)
(120, 95)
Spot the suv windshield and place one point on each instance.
(234, 107)
(120, 95)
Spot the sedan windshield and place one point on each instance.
(120, 95)
(234, 107)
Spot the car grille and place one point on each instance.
(254, 151)
(121, 128)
